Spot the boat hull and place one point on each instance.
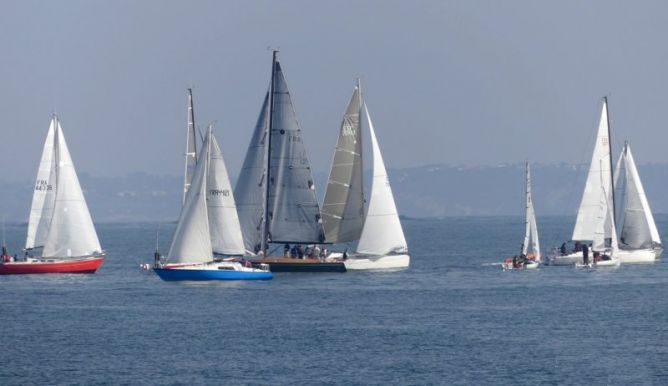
(570, 259)
(377, 262)
(636, 256)
(607, 263)
(168, 274)
(41, 266)
(507, 264)
(286, 264)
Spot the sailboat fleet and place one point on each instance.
(272, 222)
(611, 197)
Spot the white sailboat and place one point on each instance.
(200, 231)
(597, 201)
(530, 257)
(381, 243)
(60, 223)
(639, 237)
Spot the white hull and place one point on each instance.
(613, 263)
(377, 262)
(570, 259)
(637, 256)
(607, 263)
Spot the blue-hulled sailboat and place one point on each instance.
(208, 227)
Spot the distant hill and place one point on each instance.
(427, 191)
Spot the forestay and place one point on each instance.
(382, 233)
(71, 232)
(343, 206)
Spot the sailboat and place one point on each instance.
(595, 221)
(60, 223)
(275, 193)
(530, 257)
(207, 226)
(639, 237)
(380, 238)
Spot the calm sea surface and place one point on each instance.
(451, 318)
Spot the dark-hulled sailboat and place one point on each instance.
(275, 193)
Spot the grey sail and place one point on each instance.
(250, 188)
(638, 229)
(292, 207)
(343, 207)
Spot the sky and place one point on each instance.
(455, 82)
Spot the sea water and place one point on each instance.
(453, 317)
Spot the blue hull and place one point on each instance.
(203, 274)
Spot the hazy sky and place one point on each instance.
(459, 82)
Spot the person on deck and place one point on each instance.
(286, 250)
(562, 249)
(585, 254)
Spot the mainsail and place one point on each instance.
(224, 225)
(343, 207)
(71, 232)
(41, 209)
(191, 146)
(382, 232)
(531, 243)
(599, 179)
(638, 229)
(293, 211)
(276, 193)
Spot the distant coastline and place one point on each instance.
(426, 192)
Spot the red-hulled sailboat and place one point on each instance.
(60, 223)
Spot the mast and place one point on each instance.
(265, 217)
(191, 146)
(361, 103)
(612, 177)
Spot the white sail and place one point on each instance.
(638, 229)
(72, 232)
(598, 180)
(191, 146)
(605, 226)
(531, 243)
(382, 232)
(192, 241)
(43, 195)
(224, 225)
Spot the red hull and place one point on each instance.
(87, 265)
